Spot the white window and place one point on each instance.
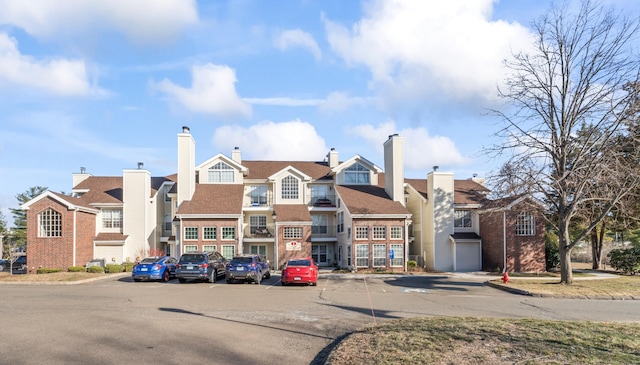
(49, 224)
(379, 232)
(319, 224)
(258, 250)
(340, 224)
(292, 232)
(190, 248)
(221, 173)
(209, 233)
(258, 195)
(362, 255)
(190, 233)
(356, 174)
(462, 218)
(289, 188)
(396, 233)
(258, 224)
(362, 232)
(379, 255)
(209, 248)
(319, 254)
(398, 255)
(167, 198)
(228, 251)
(111, 218)
(228, 233)
(525, 224)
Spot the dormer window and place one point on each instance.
(462, 218)
(289, 188)
(221, 173)
(356, 174)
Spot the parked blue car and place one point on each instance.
(247, 268)
(155, 268)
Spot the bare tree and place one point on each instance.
(573, 77)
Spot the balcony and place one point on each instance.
(259, 232)
(323, 233)
(327, 201)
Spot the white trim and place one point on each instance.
(356, 158)
(291, 170)
(57, 198)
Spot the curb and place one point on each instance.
(76, 282)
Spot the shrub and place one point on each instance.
(113, 268)
(44, 270)
(625, 260)
(552, 255)
(128, 266)
(411, 265)
(76, 268)
(96, 269)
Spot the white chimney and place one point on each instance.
(332, 158)
(236, 155)
(394, 168)
(186, 165)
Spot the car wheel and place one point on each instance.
(214, 276)
(268, 275)
(283, 283)
(165, 276)
(182, 280)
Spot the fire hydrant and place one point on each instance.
(505, 277)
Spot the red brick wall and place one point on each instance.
(304, 242)
(218, 223)
(57, 252)
(524, 253)
(388, 241)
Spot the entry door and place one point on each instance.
(319, 254)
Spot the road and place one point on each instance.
(117, 321)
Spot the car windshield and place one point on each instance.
(241, 260)
(192, 258)
(299, 263)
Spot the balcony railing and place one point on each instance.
(259, 232)
(323, 201)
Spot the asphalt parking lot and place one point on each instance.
(116, 320)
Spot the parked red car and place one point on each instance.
(300, 271)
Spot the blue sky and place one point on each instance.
(106, 84)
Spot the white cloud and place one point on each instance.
(58, 76)
(423, 49)
(297, 38)
(283, 141)
(284, 101)
(142, 21)
(339, 101)
(212, 92)
(421, 150)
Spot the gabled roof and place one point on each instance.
(226, 159)
(468, 192)
(290, 169)
(264, 169)
(369, 199)
(68, 201)
(509, 202)
(214, 199)
(101, 189)
(354, 159)
(292, 213)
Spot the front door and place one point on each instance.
(319, 254)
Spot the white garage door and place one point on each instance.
(468, 256)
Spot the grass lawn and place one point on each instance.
(454, 340)
(51, 277)
(620, 287)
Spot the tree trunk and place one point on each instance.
(566, 274)
(597, 240)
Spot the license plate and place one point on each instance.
(143, 269)
(190, 267)
(296, 278)
(240, 268)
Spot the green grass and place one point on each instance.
(620, 287)
(457, 340)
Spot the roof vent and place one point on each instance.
(435, 168)
(140, 165)
(83, 170)
(185, 129)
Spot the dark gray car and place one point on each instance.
(205, 266)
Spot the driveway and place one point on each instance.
(117, 321)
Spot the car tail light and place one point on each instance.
(157, 267)
(203, 266)
(253, 264)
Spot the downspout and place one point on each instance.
(75, 235)
(504, 240)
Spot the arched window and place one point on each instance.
(49, 224)
(221, 173)
(289, 188)
(356, 174)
